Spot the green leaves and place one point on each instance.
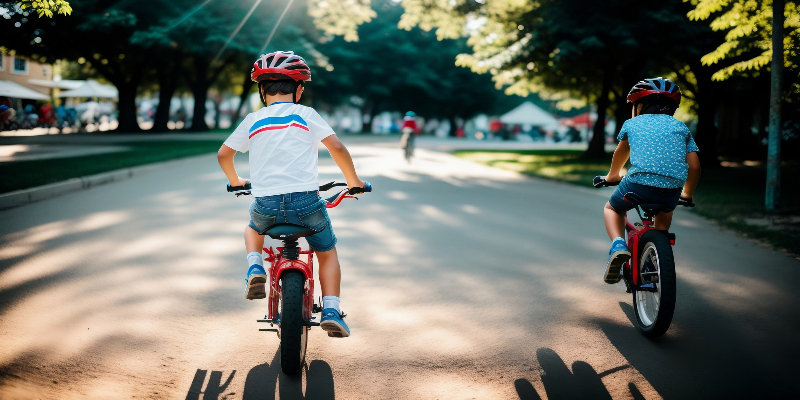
(748, 39)
(46, 7)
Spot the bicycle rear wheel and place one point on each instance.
(654, 309)
(293, 329)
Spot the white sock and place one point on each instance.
(331, 302)
(254, 258)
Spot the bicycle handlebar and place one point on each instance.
(332, 201)
(600, 181)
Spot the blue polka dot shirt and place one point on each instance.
(659, 144)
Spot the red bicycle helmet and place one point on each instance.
(280, 65)
(655, 86)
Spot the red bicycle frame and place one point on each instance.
(279, 265)
(634, 234)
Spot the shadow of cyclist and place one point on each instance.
(583, 382)
(262, 379)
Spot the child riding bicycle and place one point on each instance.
(664, 164)
(282, 138)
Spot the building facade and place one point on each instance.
(20, 70)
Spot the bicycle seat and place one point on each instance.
(647, 209)
(287, 232)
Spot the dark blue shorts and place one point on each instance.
(299, 208)
(667, 199)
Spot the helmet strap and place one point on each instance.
(261, 93)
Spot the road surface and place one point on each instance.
(459, 281)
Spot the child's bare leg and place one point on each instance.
(615, 222)
(330, 274)
(253, 242)
(663, 221)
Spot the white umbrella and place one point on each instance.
(17, 91)
(92, 89)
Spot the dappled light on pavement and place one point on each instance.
(459, 281)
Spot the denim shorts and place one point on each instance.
(299, 208)
(667, 199)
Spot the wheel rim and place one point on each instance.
(648, 303)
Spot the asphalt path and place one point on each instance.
(459, 281)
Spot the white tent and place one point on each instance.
(17, 91)
(528, 113)
(61, 84)
(92, 89)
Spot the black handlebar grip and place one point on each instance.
(599, 182)
(686, 202)
(357, 190)
(246, 186)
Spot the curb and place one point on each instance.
(26, 196)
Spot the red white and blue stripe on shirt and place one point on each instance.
(273, 123)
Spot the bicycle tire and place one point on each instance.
(654, 310)
(409, 150)
(293, 329)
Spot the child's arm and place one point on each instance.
(621, 154)
(694, 175)
(225, 158)
(343, 159)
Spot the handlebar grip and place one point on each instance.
(246, 186)
(686, 202)
(356, 190)
(599, 182)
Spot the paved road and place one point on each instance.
(460, 281)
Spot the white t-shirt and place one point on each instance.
(283, 141)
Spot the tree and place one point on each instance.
(754, 38)
(41, 7)
(392, 69)
(563, 49)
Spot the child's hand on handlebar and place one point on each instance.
(612, 178)
(357, 183)
(239, 182)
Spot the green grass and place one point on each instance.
(26, 174)
(728, 195)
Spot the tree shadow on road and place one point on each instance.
(263, 380)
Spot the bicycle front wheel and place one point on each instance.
(654, 308)
(293, 329)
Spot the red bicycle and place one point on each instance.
(650, 273)
(291, 304)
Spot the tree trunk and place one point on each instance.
(200, 92)
(773, 193)
(127, 108)
(217, 101)
(167, 84)
(706, 133)
(247, 85)
(199, 88)
(597, 144)
(453, 128)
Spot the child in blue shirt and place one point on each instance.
(664, 164)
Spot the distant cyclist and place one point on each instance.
(664, 164)
(409, 129)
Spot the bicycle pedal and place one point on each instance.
(268, 329)
(335, 334)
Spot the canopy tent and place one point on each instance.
(17, 91)
(92, 89)
(528, 113)
(61, 84)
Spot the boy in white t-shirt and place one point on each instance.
(282, 139)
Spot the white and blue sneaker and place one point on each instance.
(333, 323)
(255, 284)
(618, 255)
